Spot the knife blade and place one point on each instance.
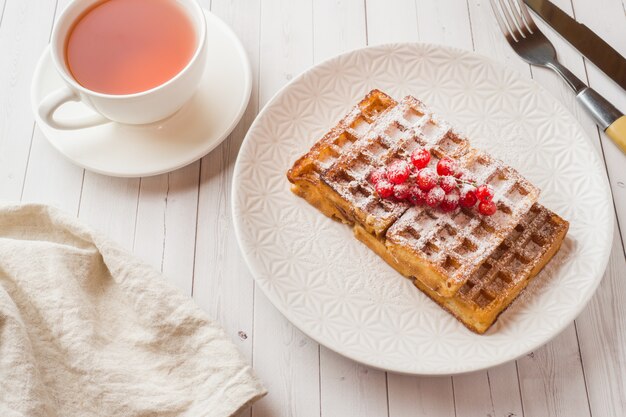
(594, 48)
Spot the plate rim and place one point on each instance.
(237, 173)
(246, 96)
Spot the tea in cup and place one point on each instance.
(132, 61)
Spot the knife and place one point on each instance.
(600, 53)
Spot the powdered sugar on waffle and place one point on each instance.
(373, 137)
(437, 236)
(465, 237)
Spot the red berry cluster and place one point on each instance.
(418, 184)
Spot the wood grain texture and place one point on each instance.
(420, 396)
(24, 33)
(110, 206)
(49, 178)
(488, 393)
(601, 331)
(502, 381)
(444, 22)
(552, 380)
(222, 284)
(348, 388)
(338, 26)
(288, 363)
(165, 231)
(472, 397)
(391, 21)
(2, 7)
(181, 222)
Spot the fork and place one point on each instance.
(532, 46)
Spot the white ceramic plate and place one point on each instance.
(134, 151)
(340, 293)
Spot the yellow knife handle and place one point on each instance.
(617, 132)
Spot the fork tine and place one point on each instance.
(530, 23)
(519, 21)
(503, 26)
(507, 15)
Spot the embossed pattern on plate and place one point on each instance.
(344, 296)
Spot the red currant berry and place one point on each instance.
(487, 208)
(384, 188)
(417, 197)
(447, 183)
(468, 198)
(446, 166)
(398, 172)
(420, 158)
(484, 192)
(401, 191)
(426, 179)
(450, 201)
(435, 197)
(377, 175)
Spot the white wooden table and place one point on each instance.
(181, 222)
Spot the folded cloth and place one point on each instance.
(88, 330)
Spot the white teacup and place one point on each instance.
(138, 108)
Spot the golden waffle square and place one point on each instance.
(374, 132)
(444, 249)
(395, 134)
(337, 192)
(333, 176)
(503, 275)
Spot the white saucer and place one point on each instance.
(134, 151)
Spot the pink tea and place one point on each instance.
(129, 46)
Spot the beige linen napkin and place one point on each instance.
(88, 330)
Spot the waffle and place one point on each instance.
(444, 249)
(374, 132)
(333, 176)
(345, 194)
(503, 275)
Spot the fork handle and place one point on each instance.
(607, 116)
(617, 132)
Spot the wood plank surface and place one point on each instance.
(24, 34)
(181, 222)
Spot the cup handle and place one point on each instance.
(56, 99)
